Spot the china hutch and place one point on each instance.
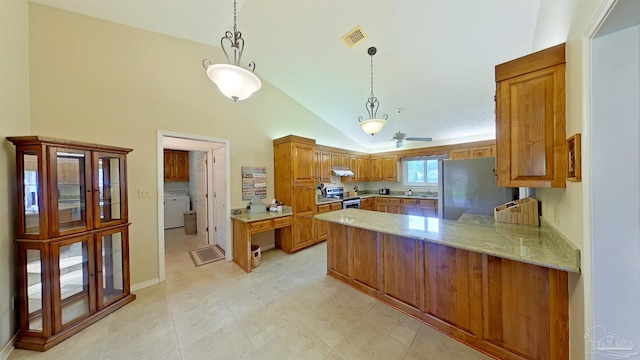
(72, 237)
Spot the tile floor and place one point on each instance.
(287, 308)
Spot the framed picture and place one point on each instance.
(574, 158)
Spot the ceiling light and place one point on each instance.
(373, 125)
(233, 81)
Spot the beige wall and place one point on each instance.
(563, 208)
(14, 120)
(101, 82)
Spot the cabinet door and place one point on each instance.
(325, 166)
(321, 226)
(71, 190)
(113, 266)
(73, 281)
(530, 128)
(336, 161)
(480, 152)
(181, 165)
(110, 193)
(303, 163)
(460, 154)
(32, 224)
(376, 168)
(169, 165)
(364, 168)
(390, 168)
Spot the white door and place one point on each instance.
(201, 198)
(219, 196)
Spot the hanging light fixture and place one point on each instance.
(373, 125)
(233, 81)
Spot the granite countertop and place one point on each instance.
(538, 245)
(321, 201)
(247, 218)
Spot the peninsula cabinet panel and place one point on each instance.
(453, 282)
(401, 261)
(530, 120)
(525, 308)
(365, 246)
(338, 249)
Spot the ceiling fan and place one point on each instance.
(400, 137)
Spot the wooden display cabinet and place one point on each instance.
(72, 237)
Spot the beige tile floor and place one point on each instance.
(287, 308)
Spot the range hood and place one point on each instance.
(341, 172)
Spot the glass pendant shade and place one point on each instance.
(233, 81)
(372, 126)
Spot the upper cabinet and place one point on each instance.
(68, 187)
(472, 153)
(176, 165)
(390, 168)
(530, 120)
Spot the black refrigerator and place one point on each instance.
(470, 186)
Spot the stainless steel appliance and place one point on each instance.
(469, 186)
(351, 203)
(338, 193)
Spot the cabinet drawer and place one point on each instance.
(410, 202)
(281, 221)
(381, 200)
(336, 206)
(260, 225)
(324, 208)
(395, 201)
(431, 204)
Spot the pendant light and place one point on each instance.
(233, 81)
(373, 125)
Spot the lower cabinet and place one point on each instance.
(506, 308)
(405, 206)
(321, 226)
(70, 284)
(368, 204)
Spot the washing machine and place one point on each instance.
(176, 202)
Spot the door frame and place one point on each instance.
(213, 143)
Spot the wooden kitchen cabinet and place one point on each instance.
(530, 120)
(295, 183)
(72, 237)
(390, 168)
(176, 165)
(364, 168)
(321, 226)
(376, 168)
(325, 166)
(472, 153)
(368, 204)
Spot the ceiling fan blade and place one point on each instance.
(418, 139)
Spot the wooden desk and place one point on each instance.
(245, 225)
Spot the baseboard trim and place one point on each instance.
(268, 247)
(144, 284)
(8, 348)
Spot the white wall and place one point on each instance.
(14, 120)
(615, 167)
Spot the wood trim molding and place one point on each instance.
(532, 62)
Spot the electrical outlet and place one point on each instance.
(144, 193)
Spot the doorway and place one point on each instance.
(210, 190)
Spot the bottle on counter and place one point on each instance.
(410, 193)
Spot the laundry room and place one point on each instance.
(180, 186)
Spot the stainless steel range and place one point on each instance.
(347, 203)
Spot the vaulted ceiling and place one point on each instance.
(435, 58)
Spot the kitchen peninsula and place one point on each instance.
(500, 288)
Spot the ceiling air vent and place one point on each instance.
(354, 36)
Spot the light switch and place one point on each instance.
(144, 193)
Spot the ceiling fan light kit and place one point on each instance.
(233, 81)
(374, 124)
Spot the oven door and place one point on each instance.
(351, 204)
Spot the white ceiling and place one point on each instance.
(435, 58)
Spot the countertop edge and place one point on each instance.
(564, 243)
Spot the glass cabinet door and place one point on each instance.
(74, 290)
(113, 273)
(71, 175)
(31, 192)
(109, 198)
